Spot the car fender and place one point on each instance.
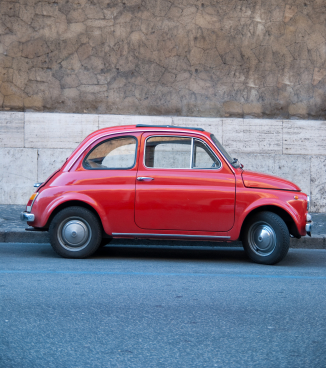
(74, 197)
(260, 203)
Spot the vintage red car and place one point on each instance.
(165, 182)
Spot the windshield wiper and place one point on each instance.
(235, 160)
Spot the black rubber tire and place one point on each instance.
(266, 238)
(87, 225)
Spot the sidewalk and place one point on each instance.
(12, 230)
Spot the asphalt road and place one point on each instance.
(163, 307)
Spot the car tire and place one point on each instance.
(75, 232)
(266, 238)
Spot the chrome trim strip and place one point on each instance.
(24, 216)
(191, 153)
(309, 226)
(172, 236)
(144, 178)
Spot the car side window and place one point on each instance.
(204, 157)
(168, 152)
(179, 153)
(115, 153)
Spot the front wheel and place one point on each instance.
(266, 238)
(75, 232)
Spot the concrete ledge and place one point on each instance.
(24, 237)
(314, 242)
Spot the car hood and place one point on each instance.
(258, 180)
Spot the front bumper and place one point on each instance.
(309, 224)
(25, 216)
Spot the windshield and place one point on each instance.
(233, 161)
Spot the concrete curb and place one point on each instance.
(314, 242)
(24, 237)
(307, 242)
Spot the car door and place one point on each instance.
(182, 184)
(107, 174)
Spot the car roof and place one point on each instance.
(129, 129)
(143, 128)
(148, 128)
(168, 126)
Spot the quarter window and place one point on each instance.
(204, 157)
(116, 153)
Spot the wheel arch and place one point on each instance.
(71, 203)
(285, 216)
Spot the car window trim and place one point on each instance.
(212, 152)
(112, 168)
(81, 149)
(191, 155)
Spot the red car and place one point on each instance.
(165, 182)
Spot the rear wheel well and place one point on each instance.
(280, 212)
(74, 203)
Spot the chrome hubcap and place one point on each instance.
(74, 234)
(262, 238)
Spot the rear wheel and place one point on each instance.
(75, 232)
(266, 238)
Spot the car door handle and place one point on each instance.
(144, 178)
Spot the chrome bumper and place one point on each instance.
(309, 224)
(25, 216)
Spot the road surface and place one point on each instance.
(161, 307)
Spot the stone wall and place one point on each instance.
(223, 58)
(33, 145)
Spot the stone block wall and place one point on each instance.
(33, 145)
(225, 58)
